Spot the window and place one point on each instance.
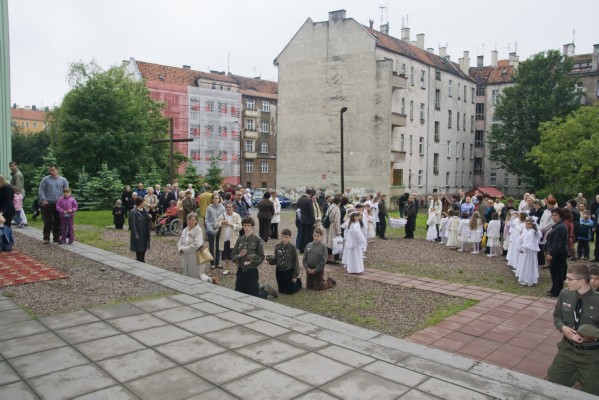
(403, 106)
(457, 121)
(457, 149)
(402, 143)
(480, 90)
(438, 75)
(437, 131)
(264, 147)
(265, 126)
(493, 179)
(463, 151)
(480, 110)
(448, 149)
(437, 99)
(422, 77)
(397, 177)
(470, 182)
(411, 142)
(436, 163)
(420, 174)
(459, 87)
(264, 167)
(506, 179)
(421, 146)
(412, 76)
(403, 69)
(249, 146)
(479, 140)
(249, 124)
(519, 181)
(471, 151)
(449, 119)
(209, 106)
(464, 122)
(35, 124)
(250, 104)
(462, 178)
(472, 95)
(449, 89)
(249, 167)
(409, 178)
(27, 124)
(478, 165)
(422, 113)
(447, 179)
(411, 110)
(494, 96)
(456, 179)
(465, 93)
(266, 106)
(472, 123)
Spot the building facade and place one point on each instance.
(28, 119)
(409, 124)
(585, 69)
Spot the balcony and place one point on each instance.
(250, 155)
(399, 81)
(251, 113)
(247, 134)
(398, 120)
(398, 156)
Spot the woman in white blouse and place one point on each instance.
(229, 224)
(190, 241)
(276, 218)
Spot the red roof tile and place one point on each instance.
(486, 191)
(31, 115)
(178, 76)
(256, 87)
(493, 75)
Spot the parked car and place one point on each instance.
(285, 202)
(256, 197)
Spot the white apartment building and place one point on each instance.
(409, 124)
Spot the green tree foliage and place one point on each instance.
(106, 186)
(189, 176)
(108, 118)
(568, 152)
(28, 151)
(542, 90)
(83, 193)
(214, 176)
(150, 175)
(42, 170)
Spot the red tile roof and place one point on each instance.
(31, 115)
(493, 75)
(486, 191)
(426, 57)
(178, 76)
(256, 87)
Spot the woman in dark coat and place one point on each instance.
(140, 225)
(266, 210)
(7, 195)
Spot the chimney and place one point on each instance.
(466, 63)
(335, 16)
(595, 64)
(33, 107)
(420, 40)
(461, 63)
(385, 28)
(480, 61)
(430, 50)
(14, 105)
(569, 49)
(405, 34)
(371, 23)
(514, 59)
(187, 67)
(442, 52)
(494, 58)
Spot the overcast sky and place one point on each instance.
(245, 36)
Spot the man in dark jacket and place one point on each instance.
(410, 214)
(307, 219)
(383, 215)
(557, 252)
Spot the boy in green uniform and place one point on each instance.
(577, 358)
(288, 270)
(594, 270)
(315, 257)
(248, 254)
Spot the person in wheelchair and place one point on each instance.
(170, 214)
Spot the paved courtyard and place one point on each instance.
(213, 343)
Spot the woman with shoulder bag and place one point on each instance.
(189, 243)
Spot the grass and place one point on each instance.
(448, 311)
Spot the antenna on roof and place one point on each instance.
(228, 63)
(516, 46)
(573, 35)
(384, 10)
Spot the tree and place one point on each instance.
(189, 176)
(42, 170)
(106, 187)
(108, 118)
(542, 90)
(28, 152)
(568, 152)
(150, 175)
(214, 175)
(86, 199)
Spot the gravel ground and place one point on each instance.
(89, 283)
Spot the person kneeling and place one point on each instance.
(315, 257)
(287, 266)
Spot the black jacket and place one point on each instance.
(557, 239)
(307, 210)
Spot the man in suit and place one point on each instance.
(167, 196)
(307, 219)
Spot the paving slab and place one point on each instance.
(153, 305)
(111, 393)
(30, 344)
(22, 328)
(88, 332)
(66, 320)
(71, 382)
(223, 368)
(267, 328)
(302, 341)
(7, 374)
(395, 373)
(186, 299)
(160, 335)
(14, 315)
(191, 349)
(112, 346)
(236, 317)
(316, 395)
(346, 356)
(47, 361)
(313, 369)
(205, 324)
(449, 391)
(17, 391)
(360, 385)
(213, 394)
(136, 365)
(174, 384)
(116, 311)
(417, 395)
(236, 336)
(136, 322)
(270, 351)
(179, 314)
(267, 381)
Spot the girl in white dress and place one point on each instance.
(453, 228)
(444, 228)
(516, 228)
(463, 231)
(431, 223)
(354, 242)
(368, 219)
(493, 237)
(476, 232)
(527, 270)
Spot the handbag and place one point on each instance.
(326, 221)
(203, 255)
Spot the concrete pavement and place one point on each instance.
(213, 343)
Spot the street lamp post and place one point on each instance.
(344, 109)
